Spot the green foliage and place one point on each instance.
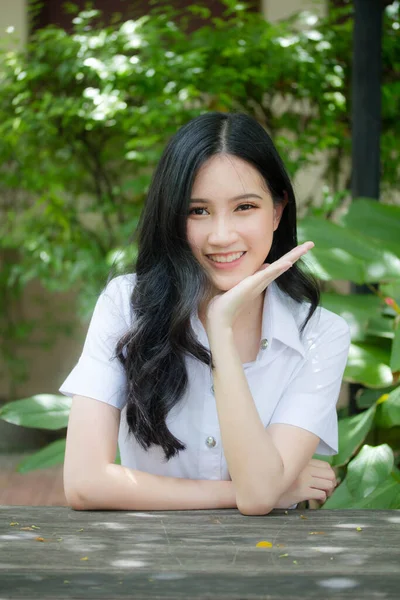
(366, 235)
(83, 120)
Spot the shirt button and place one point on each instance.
(210, 442)
(264, 344)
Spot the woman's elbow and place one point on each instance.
(74, 501)
(249, 509)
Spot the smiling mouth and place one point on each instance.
(226, 263)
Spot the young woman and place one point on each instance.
(212, 363)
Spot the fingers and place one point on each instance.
(321, 464)
(323, 484)
(297, 252)
(286, 261)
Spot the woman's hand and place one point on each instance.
(224, 308)
(316, 482)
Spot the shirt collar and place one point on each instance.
(279, 320)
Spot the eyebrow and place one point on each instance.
(241, 197)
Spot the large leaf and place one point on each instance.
(352, 433)
(357, 310)
(334, 263)
(379, 221)
(346, 247)
(49, 456)
(386, 496)
(371, 467)
(380, 326)
(369, 365)
(43, 411)
(388, 409)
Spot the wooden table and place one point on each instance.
(199, 554)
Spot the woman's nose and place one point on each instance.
(223, 229)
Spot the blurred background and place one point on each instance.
(91, 93)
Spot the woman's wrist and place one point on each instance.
(218, 494)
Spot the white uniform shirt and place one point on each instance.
(295, 381)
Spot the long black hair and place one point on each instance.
(169, 279)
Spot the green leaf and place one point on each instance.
(395, 356)
(334, 263)
(386, 496)
(356, 309)
(352, 433)
(369, 365)
(346, 247)
(371, 467)
(341, 498)
(381, 221)
(366, 397)
(43, 411)
(49, 456)
(388, 410)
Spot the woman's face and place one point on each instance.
(222, 223)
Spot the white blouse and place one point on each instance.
(294, 380)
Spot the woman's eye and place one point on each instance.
(201, 208)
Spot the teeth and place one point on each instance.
(226, 259)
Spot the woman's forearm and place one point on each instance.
(121, 488)
(253, 461)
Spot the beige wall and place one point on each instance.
(281, 9)
(13, 17)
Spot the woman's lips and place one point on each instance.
(226, 265)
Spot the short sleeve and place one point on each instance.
(98, 373)
(310, 399)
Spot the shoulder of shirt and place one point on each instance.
(121, 284)
(118, 291)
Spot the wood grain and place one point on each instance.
(199, 554)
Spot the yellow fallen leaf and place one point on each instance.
(286, 512)
(359, 529)
(264, 545)
(303, 517)
(59, 539)
(11, 524)
(66, 581)
(26, 529)
(84, 558)
(316, 532)
(282, 555)
(34, 527)
(81, 529)
(39, 539)
(295, 562)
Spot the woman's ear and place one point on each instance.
(278, 210)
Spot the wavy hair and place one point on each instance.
(169, 279)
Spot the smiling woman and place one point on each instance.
(223, 368)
